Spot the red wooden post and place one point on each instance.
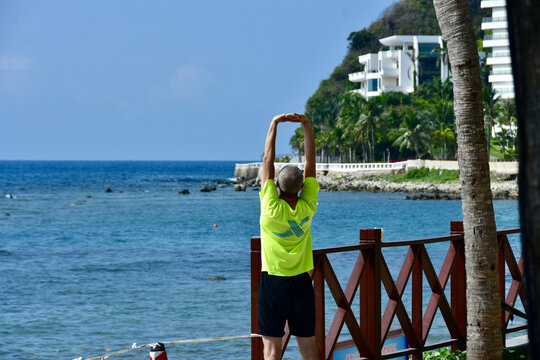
(318, 288)
(502, 287)
(417, 293)
(256, 342)
(370, 292)
(458, 284)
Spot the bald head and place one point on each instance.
(290, 180)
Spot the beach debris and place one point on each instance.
(217, 278)
(240, 187)
(184, 192)
(215, 225)
(208, 188)
(109, 190)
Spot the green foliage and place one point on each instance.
(283, 159)
(434, 176)
(362, 39)
(521, 353)
(429, 175)
(444, 354)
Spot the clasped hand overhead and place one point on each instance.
(293, 117)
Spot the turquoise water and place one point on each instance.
(84, 270)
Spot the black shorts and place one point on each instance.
(284, 298)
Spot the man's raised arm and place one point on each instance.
(310, 166)
(268, 170)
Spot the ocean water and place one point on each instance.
(86, 271)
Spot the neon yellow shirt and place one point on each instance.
(286, 233)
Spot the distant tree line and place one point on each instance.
(394, 126)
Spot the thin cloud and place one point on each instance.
(190, 81)
(14, 63)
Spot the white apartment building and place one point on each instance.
(499, 58)
(394, 69)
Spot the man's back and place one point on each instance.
(286, 232)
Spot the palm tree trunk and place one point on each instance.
(373, 145)
(484, 337)
(523, 19)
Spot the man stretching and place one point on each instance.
(285, 291)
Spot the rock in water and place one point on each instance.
(208, 188)
(240, 187)
(217, 278)
(184, 192)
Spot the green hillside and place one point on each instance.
(394, 126)
(406, 17)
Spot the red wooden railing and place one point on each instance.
(371, 273)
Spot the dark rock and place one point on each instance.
(8, 214)
(435, 196)
(184, 192)
(108, 190)
(88, 197)
(208, 188)
(240, 187)
(255, 189)
(217, 278)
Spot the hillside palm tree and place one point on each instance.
(442, 56)
(297, 142)
(412, 56)
(507, 118)
(489, 100)
(369, 120)
(483, 304)
(350, 108)
(443, 135)
(414, 133)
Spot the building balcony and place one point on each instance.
(496, 40)
(496, 37)
(505, 93)
(500, 76)
(373, 74)
(500, 72)
(496, 43)
(493, 23)
(357, 76)
(499, 58)
(389, 72)
(488, 4)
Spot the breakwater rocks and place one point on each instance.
(500, 190)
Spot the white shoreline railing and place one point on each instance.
(495, 166)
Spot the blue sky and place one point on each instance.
(163, 80)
